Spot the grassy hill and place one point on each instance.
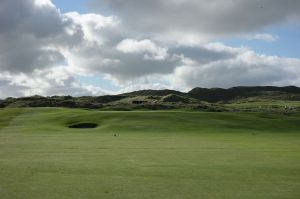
(153, 154)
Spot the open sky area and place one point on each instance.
(97, 47)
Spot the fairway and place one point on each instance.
(148, 155)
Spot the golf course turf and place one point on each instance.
(148, 154)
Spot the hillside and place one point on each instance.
(199, 99)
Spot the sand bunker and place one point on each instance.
(83, 126)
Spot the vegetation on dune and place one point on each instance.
(219, 94)
(175, 98)
(280, 99)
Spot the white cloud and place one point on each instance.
(54, 81)
(263, 37)
(245, 68)
(143, 46)
(44, 3)
(93, 25)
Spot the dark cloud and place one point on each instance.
(24, 53)
(205, 18)
(28, 18)
(30, 36)
(135, 66)
(201, 54)
(7, 89)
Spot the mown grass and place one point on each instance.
(148, 155)
(7, 115)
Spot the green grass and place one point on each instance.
(154, 155)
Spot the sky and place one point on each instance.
(99, 47)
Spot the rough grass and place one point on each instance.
(264, 104)
(148, 155)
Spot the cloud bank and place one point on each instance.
(141, 44)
